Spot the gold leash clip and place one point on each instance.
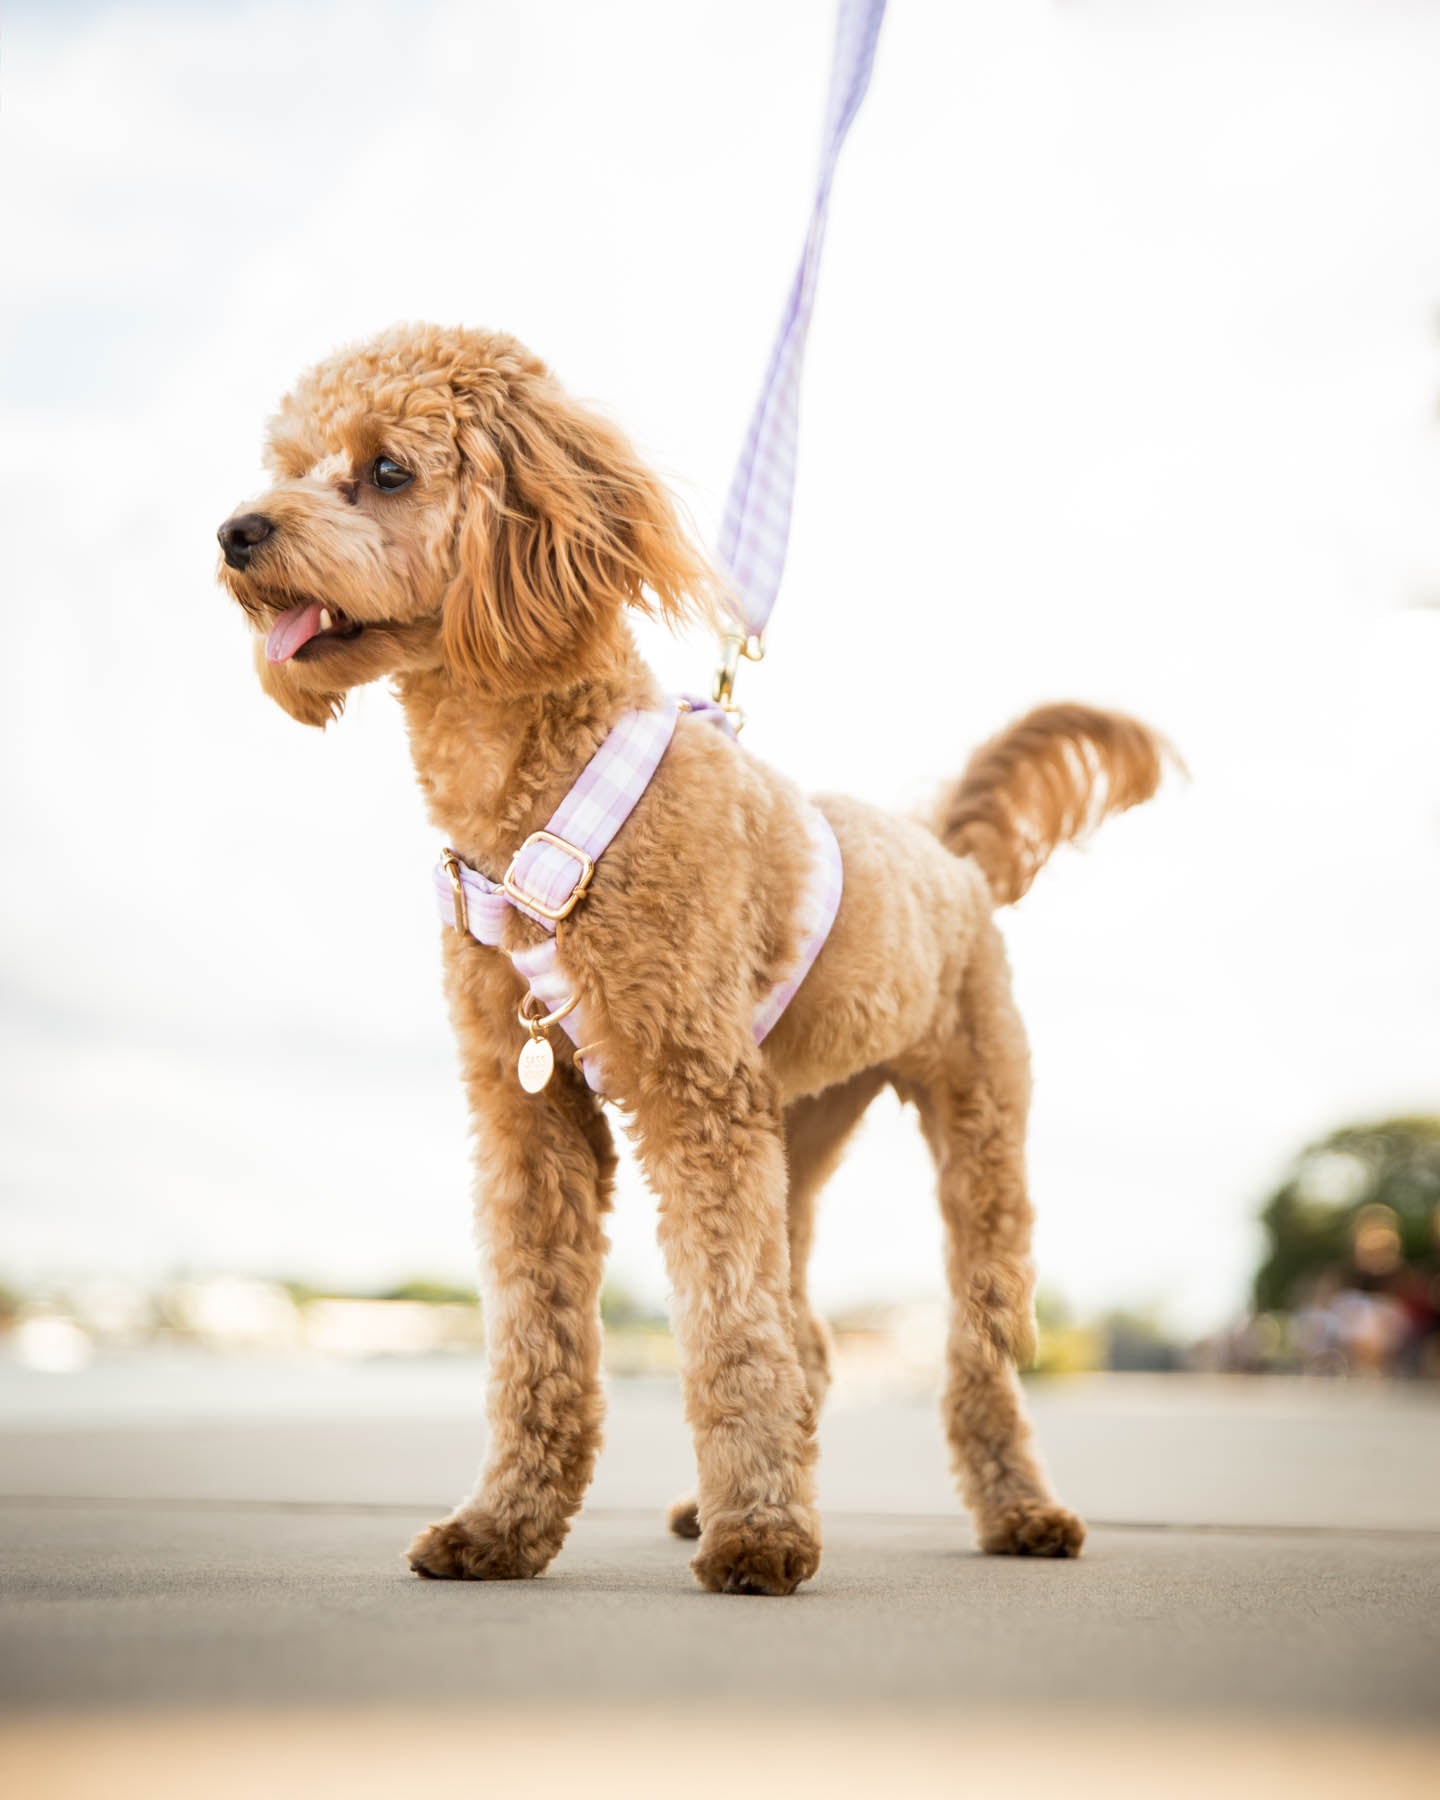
(734, 645)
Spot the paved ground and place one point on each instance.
(1264, 1557)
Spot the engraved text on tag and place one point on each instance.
(537, 1064)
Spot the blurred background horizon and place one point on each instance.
(1122, 385)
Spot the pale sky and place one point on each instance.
(1122, 386)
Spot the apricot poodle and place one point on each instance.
(443, 514)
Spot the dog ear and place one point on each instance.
(564, 527)
(311, 706)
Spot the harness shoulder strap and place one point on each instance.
(551, 872)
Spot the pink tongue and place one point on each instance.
(291, 630)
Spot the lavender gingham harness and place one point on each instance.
(551, 873)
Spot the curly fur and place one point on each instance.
(494, 591)
(1047, 780)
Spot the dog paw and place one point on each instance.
(756, 1553)
(683, 1518)
(472, 1547)
(1032, 1528)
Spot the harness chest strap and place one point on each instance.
(551, 872)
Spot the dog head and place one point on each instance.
(438, 502)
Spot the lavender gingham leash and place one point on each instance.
(756, 527)
(551, 872)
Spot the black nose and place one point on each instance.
(240, 536)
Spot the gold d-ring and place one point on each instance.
(537, 1026)
(452, 869)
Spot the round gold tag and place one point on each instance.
(537, 1064)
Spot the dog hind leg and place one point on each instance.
(973, 1100)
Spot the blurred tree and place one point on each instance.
(620, 1308)
(1062, 1346)
(1312, 1219)
(431, 1293)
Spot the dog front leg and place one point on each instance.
(714, 1150)
(545, 1166)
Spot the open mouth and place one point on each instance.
(306, 631)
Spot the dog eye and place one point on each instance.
(387, 474)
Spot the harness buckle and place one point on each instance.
(451, 864)
(553, 913)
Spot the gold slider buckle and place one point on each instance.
(577, 893)
(462, 911)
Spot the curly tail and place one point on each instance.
(1046, 780)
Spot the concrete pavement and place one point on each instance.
(1261, 1555)
(112, 1606)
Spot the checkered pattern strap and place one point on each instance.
(592, 812)
(814, 915)
(756, 527)
(587, 819)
